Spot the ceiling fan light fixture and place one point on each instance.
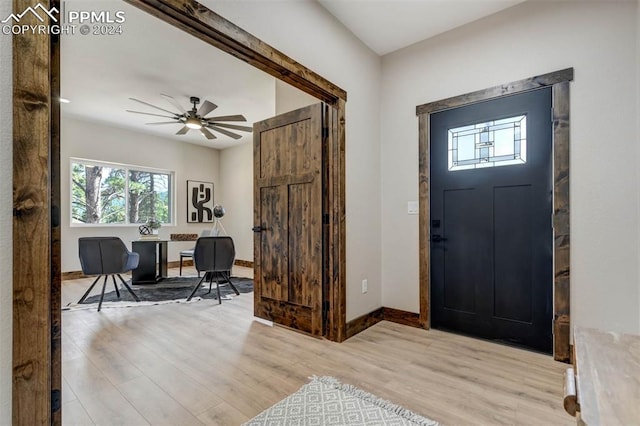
(196, 119)
(193, 123)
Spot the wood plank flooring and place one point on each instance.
(204, 363)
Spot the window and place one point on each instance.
(488, 144)
(117, 194)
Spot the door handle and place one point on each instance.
(258, 228)
(437, 238)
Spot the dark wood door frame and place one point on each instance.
(36, 190)
(559, 81)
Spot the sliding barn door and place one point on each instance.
(288, 243)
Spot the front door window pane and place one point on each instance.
(488, 144)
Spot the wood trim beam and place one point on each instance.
(401, 317)
(336, 270)
(519, 86)
(212, 28)
(363, 322)
(424, 266)
(73, 275)
(244, 263)
(561, 225)
(56, 235)
(398, 316)
(34, 254)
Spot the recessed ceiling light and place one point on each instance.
(64, 101)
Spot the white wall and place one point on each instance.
(95, 141)
(638, 95)
(6, 228)
(598, 39)
(309, 34)
(289, 98)
(236, 175)
(236, 182)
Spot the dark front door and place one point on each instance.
(288, 206)
(491, 230)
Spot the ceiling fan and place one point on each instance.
(195, 118)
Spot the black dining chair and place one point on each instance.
(215, 257)
(106, 256)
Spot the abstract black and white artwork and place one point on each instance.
(199, 201)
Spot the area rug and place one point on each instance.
(169, 290)
(326, 401)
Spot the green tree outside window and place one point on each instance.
(109, 194)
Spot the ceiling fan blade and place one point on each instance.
(232, 126)
(173, 102)
(206, 108)
(153, 106)
(148, 113)
(224, 132)
(227, 118)
(183, 131)
(207, 134)
(163, 122)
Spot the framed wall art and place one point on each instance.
(199, 202)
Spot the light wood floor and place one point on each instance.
(204, 363)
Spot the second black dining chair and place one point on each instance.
(106, 256)
(214, 256)
(189, 253)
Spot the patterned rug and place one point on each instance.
(326, 401)
(169, 290)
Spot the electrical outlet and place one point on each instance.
(365, 285)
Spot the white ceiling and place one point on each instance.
(100, 72)
(388, 25)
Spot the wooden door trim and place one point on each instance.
(36, 228)
(36, 195)
(336, 325)
(532, 83)
(559, 82)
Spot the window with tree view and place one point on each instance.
(104, 193)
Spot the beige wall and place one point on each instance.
(95, 141)
(289, 98)
(598, 39)
(236, 175)
(236, 183)
(638, 98)
(6, 203)
(309, 34)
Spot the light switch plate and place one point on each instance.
(412, 207)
